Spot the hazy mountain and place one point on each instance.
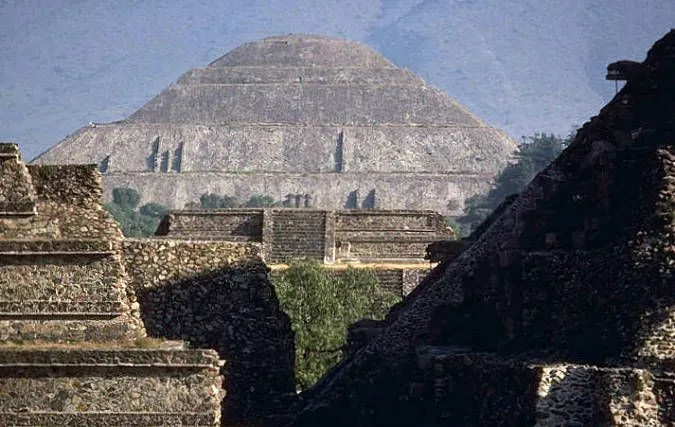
(525, 66)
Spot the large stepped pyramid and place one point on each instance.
(296, 115)
(74, 350)
(561, 309)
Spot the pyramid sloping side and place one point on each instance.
(288, 149)
(295, 105)
(305, 103)
(579, 268)
(302, 50)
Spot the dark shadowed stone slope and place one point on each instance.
(577, 271)
(296, 114)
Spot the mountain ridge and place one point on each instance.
(524, 67)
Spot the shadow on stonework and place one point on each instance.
(573, 396)
(236, 312)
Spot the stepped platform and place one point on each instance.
(102, 387)
(368, 236)
(73, 342)
(465, 387)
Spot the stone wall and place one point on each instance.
(328, 190)
(230, 225)
(97, 387)
(72, 297)
(287, 234)
(217, 295)
(387, 235)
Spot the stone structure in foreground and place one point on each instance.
(72, 348)
(560, 312)
(73, 293)
(297, 117)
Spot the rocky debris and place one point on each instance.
(215, 294)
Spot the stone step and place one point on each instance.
(67, 327)
(56, 247)
(298, 232)
(106, 387)
(106, 419)
(55, 308)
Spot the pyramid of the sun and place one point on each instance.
(297, 115)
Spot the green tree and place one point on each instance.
(154, 210)
(215, 201)
(126, 198)
(135, 223)
(321, 307)
(260, 201)
(534, 154)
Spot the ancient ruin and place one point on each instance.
(558, 310)
(85, 315)
(561, 310)
(297, 117)
(327, 236)
(390, 243)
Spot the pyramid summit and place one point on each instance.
(297, 115)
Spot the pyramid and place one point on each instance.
(297, 115)
(560, 312)
(73, 348)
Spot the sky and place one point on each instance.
(522, 65)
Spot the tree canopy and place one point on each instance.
(134, 222)
(534, 154)
(321, 307)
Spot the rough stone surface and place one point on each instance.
(103, 387)
(69, 324)
(17, 195)
(215, 294)
(304, 115)
(576, 274)
(329, 236)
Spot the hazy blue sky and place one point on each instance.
(525, 66)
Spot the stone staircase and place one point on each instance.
(297, 234)
(73, 349)
(76, 293)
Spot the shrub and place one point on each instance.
(126, 198)
(321, 307)
(135, 223)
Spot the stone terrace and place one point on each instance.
(74, 349)
(392, 243)
(560, 312)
